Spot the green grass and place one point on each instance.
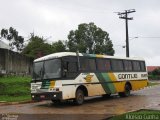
(7, 98)
(153, 83)
(139, 115)
(14, 88)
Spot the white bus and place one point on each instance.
(73, 76)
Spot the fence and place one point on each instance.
(14, 63)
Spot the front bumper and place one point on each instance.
(46, 96)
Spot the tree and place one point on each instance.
(58, 46)
(156, 71)
(37, 47)
(91, 39)
(16, 42)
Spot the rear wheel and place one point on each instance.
(127, 91)
(79, 97)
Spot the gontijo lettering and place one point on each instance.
(127, 76)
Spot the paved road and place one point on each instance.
(95, 107)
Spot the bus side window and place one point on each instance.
(136, 66)
(143, 68)
(103, 64)
(92, 64)
(87, 64)
(127, 65)
(84, 64)
(117, 65)
(70, 69)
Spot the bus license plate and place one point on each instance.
(42, 96)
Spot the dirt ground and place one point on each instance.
(95, 108)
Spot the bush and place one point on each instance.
(153, 77)
(15, 85)
(156, 71)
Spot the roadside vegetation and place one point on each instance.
(153, 83)
(15, 88)
(138, 115)
(154, 75)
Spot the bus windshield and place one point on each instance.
(48, 69)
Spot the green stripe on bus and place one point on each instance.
(89, 55)
(110, 85)
(45, 84)
(102, 80)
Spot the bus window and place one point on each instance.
(103, 65)
(84, 64)
(127, 65)
(143, 68)
(52, 69)
(72, 67)
(87, 64)
(38, 70)
(117, 65)
(91, 64)
(136, 66)
(72, 70)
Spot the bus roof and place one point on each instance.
(62, 54)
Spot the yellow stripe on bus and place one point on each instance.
(52, 84)
(136, 85)
(119, 86)
(99, 56)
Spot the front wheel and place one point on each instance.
(79, 97)
(127, 91)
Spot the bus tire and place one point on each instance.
(127, 91)
(79, 97)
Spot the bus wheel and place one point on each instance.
(127, 91)
(79, 97)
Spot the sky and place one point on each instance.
(53, 19)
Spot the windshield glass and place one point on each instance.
(47, 69)
(52, 69)
(38, 70)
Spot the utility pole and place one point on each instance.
(124, 15)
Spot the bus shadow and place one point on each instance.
(88, 101)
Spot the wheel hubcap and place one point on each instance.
(80, 98)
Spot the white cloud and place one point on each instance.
(154, 61)
(57, 17)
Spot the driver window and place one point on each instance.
(70, 69)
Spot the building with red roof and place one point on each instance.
(151, 68)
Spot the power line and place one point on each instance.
(148, 37)
(124, 15)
